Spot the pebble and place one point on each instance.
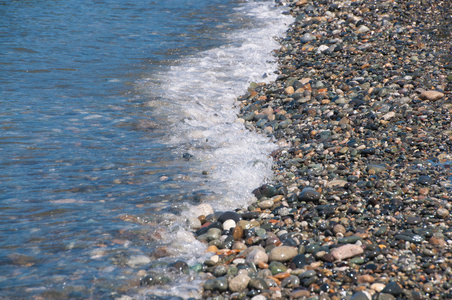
(277, 267)
(239, 283)
(257, 256)
(309, 194)
(229, 224)
(431, 95)
(442, 213)
(299, 294)
(378, 287)
(217, 284)
(393, 288)
(346, 251)
(361, 296)
(264, 204)
(282, 253)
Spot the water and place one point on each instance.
(99, 102)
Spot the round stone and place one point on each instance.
(228, 224)
(309, 194)
(239, 283)
(257, 256)
(339, 228)
(283, 253)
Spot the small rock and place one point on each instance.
(363, 29)
(361, 296)
(431, 95)
(277, 267)
(366, 278)
(283, 253)
(346, 251)
(307, 37)
(393, 288)
(258, 284)
(322, 48)
(266, 204)
(339, 228)
(239, 283)
(257, 256)
(300, 294)
(378, 287)
(309, 194)
(442, 213)
(237, 233)
(228, 224)
(217, 284)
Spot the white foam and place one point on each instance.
(199, 96)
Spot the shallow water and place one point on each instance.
(99, 103)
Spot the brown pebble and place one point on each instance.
(431, 95)
(212, 249)
(428, 288)
(339, 228)
(366, 278)
(360, 288)
(347, 251)
(437, 241)
(300, 294)
(202, 219)
(262, 265)
(424, 191)
(237, 233)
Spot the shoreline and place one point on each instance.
(360, 204)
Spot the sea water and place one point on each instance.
(117, 117)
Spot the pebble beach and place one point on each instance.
(359, 207)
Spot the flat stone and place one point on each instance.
(347, 251)
(431, 95)
(283, 253)
(300, 294)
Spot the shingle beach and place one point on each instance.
(360, 204)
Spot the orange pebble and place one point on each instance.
(212, 248)
(282, 275)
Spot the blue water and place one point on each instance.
(99, 100)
